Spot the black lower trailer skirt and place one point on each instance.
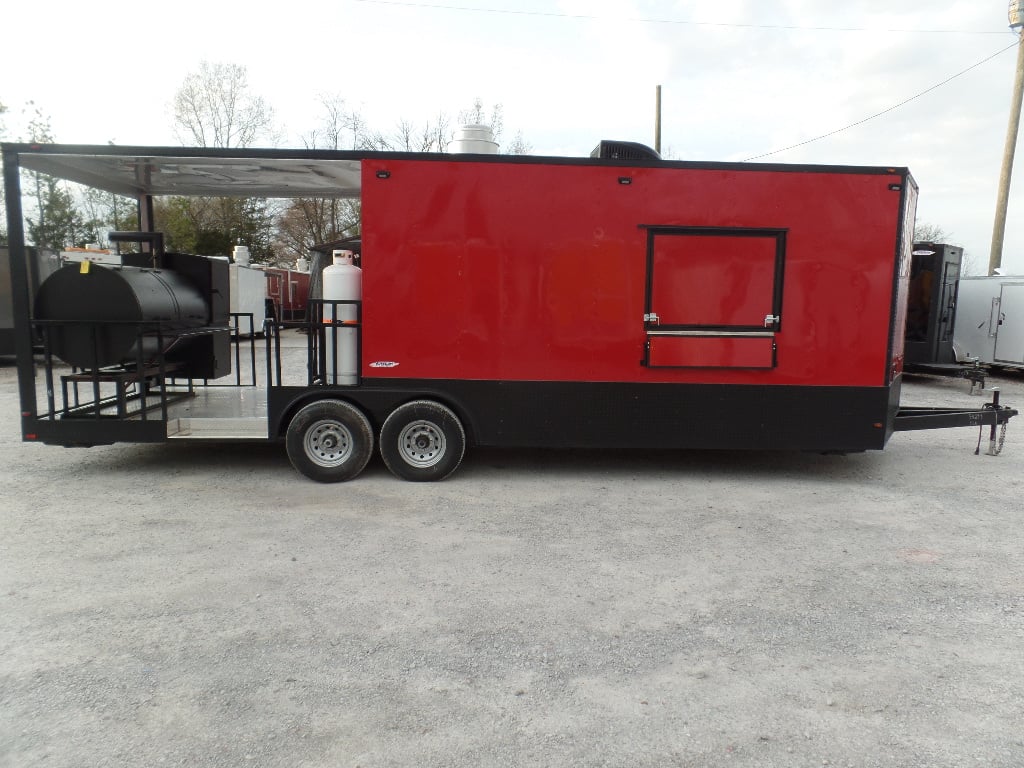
(88, 432)
(561, 414)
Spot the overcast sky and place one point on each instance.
(740, 78)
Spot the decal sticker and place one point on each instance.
(384, 364)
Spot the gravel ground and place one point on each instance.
(207, 606)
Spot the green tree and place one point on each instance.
(104, 211)
(214, 225)
(58, 222)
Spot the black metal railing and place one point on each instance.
(327, 333)
(239, 323)
(141, 385)
(107, 391)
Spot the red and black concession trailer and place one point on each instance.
(615, 301)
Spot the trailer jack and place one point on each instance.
(995, 446)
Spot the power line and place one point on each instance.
(789, 27)
(887, 110)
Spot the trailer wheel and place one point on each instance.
(422, 441)
(329, 441)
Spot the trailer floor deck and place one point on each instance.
(215, 411)
(219, 413)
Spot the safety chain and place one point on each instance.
(995, 447)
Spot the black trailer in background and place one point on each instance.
(931, 304)
(931, 314)
(41, 264)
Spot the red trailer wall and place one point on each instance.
(537, 272)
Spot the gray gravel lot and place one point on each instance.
(207, 606)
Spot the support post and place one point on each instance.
(657, 120)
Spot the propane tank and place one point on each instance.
(241, 255)
(342, 281)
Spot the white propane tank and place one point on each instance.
(302, 264)
(240, 255)
(343, 281)
(474, 139)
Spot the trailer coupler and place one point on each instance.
(991, 414)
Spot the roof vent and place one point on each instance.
(624, 150)
(474, 139)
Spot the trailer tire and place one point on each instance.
(422, 441)
(329, 441)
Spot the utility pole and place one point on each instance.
(657, 120)
(1015, 15)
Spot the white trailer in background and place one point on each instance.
(248, 297)
(990, 321)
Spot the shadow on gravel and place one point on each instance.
(685, 464)
(484, 464)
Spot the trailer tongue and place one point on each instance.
(616, 301)
(992, 414)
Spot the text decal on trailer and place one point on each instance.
(384, 364)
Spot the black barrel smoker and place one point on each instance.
(167, 309)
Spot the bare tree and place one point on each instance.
(929, 233)
(307, 221)
(215, 108)
(477, 115)
(519, 145)
(431, 136)
(340, 128)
